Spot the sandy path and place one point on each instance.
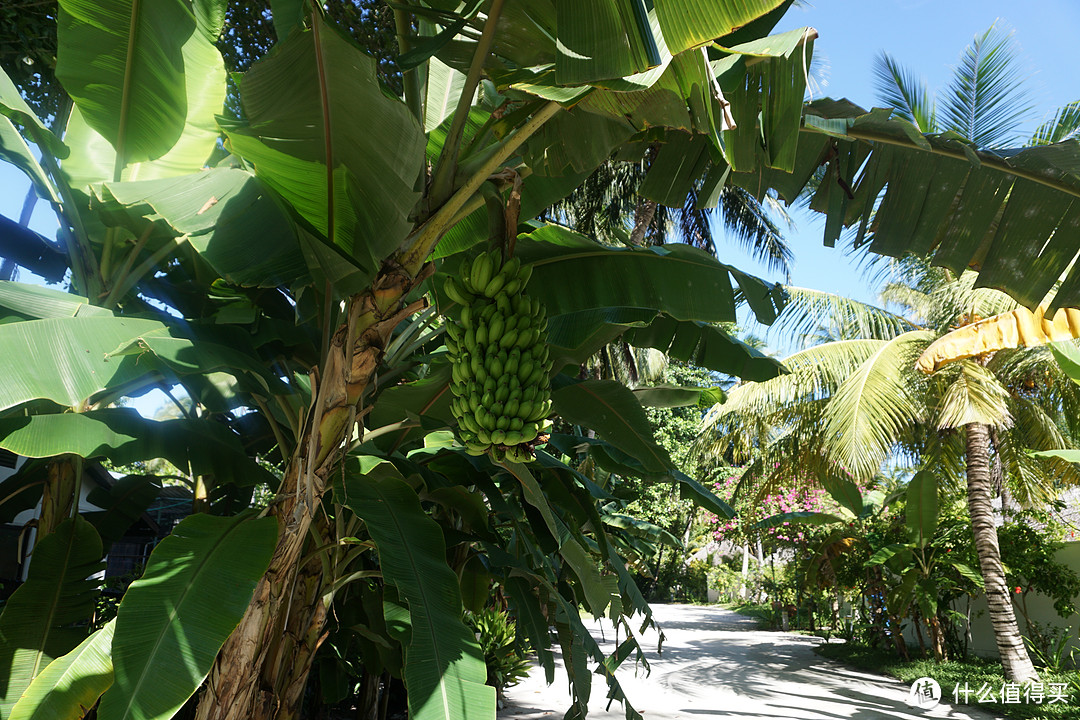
(715, 664)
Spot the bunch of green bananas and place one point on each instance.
(499, 359)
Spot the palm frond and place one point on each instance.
(907, 95)
(1061, 126)
(915, 304)
(815, 373)
(1028, 479)
(975, 396)
(987, 100)
(808, 312)
(875, 405)
(748, 223)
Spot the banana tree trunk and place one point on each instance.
(1014, 656)
(58, 494)
(259, 675)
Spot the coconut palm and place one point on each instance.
(855, 404)
(859, 404)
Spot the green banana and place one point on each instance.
(480, 273)
(455, 292)
(499, 359)
(494, 285)
(495, 329)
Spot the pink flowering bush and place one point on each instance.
(800, 495)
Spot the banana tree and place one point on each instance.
(916, 563)
(276, 288)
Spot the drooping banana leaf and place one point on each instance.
(224, 212)
(325, 136)
(172, 621)
(15, 108)
(35, 301)
(1013, 213)
(70, 357)
(670, 396)
(706, 346)
(15, 150)
(921, 511)
(41, 621)
(71, 684)
(417, 407)
(610, 408)
(205, 447)
(122, 504)
(445, 672)
(572, 273)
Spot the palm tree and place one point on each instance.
(857, 402)
(607, 206)
(879, 407)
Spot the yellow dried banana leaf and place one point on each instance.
(1019, 328)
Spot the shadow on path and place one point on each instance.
(716, 664)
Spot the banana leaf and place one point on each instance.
(41, 620)
(611, 409)
(146, 89)
(174, 619)
(70, 355)
(445, 672)
(70, 684)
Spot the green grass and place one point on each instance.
(974, 672)
(762, 613)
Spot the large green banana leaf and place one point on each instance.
(445, 672)
(148, 85)
(921, 511)
(14, 149)
(570, 547)
(610, 408)
(572, 273)
(417, 406)
(322, 132)
(121, 506)
(203, 348)
(224, 212)
(574, 337)
(36, 301)
(1012, 213)
(14, 107)
(172, 621)
(705, 346)
(41, 620)
(66, 359)
(71, 684)
(604, 39)
(672, 396)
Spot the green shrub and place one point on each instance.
(497, 634)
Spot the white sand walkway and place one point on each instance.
(716, 665)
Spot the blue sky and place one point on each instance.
(927, 36)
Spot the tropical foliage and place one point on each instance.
(278, 274)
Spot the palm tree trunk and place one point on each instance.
(1014, 656)
(643, 217)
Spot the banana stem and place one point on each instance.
(428, 235)
(443, 181)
